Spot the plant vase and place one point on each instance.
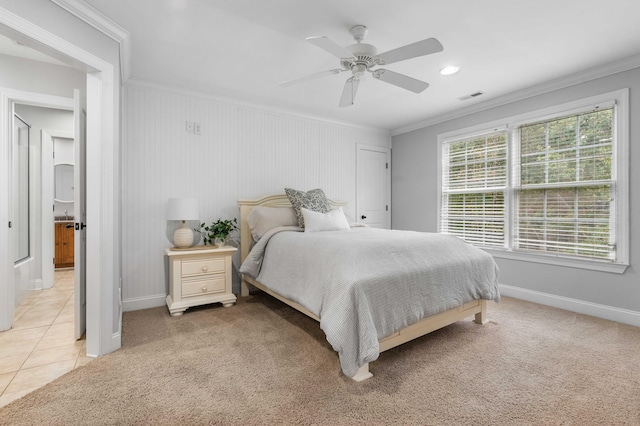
(217, 232)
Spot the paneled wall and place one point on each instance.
(242, 152)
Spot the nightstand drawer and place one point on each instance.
(214, 284)
(203, 266)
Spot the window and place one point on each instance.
(474, 181)
(564, 190)
(549, 186)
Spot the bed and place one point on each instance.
(370, 312)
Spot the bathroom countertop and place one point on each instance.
(63, 219)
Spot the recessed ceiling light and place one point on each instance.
(449, 70)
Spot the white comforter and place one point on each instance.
(367, 283)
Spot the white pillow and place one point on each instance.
(335, 220)
(262, 219)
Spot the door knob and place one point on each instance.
(363, 217)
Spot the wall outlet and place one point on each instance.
(189, 126)
(197, 129)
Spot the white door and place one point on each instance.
(373, 186)
(80, 214)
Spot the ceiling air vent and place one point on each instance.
(471, 96)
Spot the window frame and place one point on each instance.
(476, 134)
(620, 177)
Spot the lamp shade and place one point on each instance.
(183, 209)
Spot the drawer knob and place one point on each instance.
(204, 288)
(205, 269)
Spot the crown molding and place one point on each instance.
(143, 84)
(615, 67)
(97, 20)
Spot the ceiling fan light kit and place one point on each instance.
(360, 58)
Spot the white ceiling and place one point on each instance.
(243, 48)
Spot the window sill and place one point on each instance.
(594, 265)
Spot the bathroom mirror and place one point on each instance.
(63, 175)
(21, 223)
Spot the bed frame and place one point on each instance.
(427, 325)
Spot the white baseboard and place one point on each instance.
(574, 305)
(147, 302)
(37, 284)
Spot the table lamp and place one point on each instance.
(183, 209)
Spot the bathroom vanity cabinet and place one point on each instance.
(64, 244)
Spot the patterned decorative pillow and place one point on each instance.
(313, 200)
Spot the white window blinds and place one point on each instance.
(564, 186)
(474, 178)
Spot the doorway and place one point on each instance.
(48, 125)
(102, 97)
(48, 211)
(61, 214)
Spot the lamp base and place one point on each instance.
(183, 237)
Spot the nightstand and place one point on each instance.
(198, 276)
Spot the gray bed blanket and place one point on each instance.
(366, 283)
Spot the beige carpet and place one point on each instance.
(260, 362)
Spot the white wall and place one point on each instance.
(39, 77)
(414, 191)
(243, 152)
(28, 275)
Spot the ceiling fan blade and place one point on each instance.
(413, 50)
(309, 77)
(400, 80)
(330, 46)
(349, 92)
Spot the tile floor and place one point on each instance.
(41, 345)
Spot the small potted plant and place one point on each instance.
(218, 231)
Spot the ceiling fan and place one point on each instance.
(360, 58)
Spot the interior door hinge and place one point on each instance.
(386, 165)
(9, 224)
(386, 207)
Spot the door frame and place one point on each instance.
(48, 268)
(104, 307)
